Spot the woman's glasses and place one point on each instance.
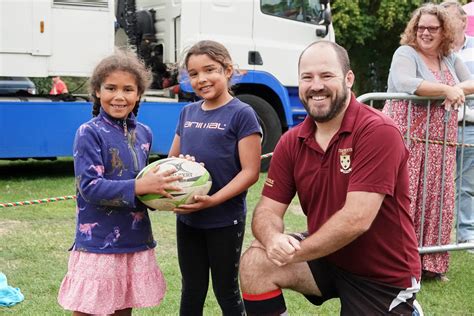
(431, 29)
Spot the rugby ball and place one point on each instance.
(196, 181)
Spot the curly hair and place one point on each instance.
(121, 60)
(447, 29)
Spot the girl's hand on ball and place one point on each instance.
(165, 181)
(202, 202)
(190, 158)
(158, 182)
(187, 157)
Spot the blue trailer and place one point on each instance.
(37, 127)
(45, 129)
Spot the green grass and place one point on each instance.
(34, 242)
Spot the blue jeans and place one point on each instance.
(466, 193)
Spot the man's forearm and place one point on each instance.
(266, 223)
(336, 233)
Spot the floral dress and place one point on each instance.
(432, 201)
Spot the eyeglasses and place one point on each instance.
(431, 29)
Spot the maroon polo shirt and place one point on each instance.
(366, 154)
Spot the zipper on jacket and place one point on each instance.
(125, 129)
(132, 151)
(128, 136)
(130, 145)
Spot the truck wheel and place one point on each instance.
(269, 121)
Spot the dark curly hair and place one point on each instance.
(121, 60)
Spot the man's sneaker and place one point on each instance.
(470, 241)
(417, 310)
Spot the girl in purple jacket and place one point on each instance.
(112, 266)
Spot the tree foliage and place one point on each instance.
(370, 30)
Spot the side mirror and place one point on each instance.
(326, 20)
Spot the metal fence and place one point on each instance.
(428, 128)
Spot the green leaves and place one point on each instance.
(370, 30)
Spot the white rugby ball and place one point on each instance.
(196, 181)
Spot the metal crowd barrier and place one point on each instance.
(378, 100)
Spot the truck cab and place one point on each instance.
(264, 38)
(68, 37)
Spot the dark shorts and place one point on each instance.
(358, 295)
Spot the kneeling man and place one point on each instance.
(348, 164)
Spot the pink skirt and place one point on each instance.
(104, 283)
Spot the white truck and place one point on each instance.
(42, 38)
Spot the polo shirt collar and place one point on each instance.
(350, 116)
(308, 127)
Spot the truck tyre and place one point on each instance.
(269, 121)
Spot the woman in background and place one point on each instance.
(425, 65)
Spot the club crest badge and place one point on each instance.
(345, 160)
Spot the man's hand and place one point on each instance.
(282, 248)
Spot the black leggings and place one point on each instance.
(217, 250)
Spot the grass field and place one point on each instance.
(34, 242)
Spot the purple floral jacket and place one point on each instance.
(108, 155)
